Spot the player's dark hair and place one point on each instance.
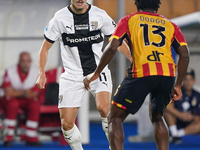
(148, 4)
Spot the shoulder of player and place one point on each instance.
(97, 10)
(11, 67)
(169, 21)
(61, 12)
(126, 18)
(196, 93)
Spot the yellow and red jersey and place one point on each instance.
(150, 37)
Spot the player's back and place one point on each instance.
(151, 37)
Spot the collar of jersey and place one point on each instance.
(147, 13)
(79, 14)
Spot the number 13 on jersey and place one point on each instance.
(157, 34)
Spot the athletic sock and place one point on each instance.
(105, 126)
(181, 132)
(73, 138)
(173, 130)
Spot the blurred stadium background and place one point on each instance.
(21, 28)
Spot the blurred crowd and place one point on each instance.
(20, 96)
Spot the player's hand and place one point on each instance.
(41, 81)
(89, 78)
(176, 94)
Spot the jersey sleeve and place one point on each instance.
(179, 39)
(6, 81)
(121, 30)
(52, 32)
(108, 26)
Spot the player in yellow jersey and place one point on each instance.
(150, 37)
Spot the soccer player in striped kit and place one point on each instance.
(80, 28)
(150, 37)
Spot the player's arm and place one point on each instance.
(124, 49)
(10, 92)
(180, 46)
(51, 34)
(43, 55)
(108, 54)
(108, 29)
(116, 40)
(185, 116)
(183, 62)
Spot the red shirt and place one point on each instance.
(7, 82)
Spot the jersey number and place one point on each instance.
(104, 77)
(158, 30)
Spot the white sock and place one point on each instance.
(181, 132)
(105, 126)
(73, 138)
(173, 130)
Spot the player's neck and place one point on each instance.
(149, 10)
(79, 11)
(23, 72)
(20, 69)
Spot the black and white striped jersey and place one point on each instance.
(81, 38)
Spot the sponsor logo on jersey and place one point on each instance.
(69, 27)
(78, 39)
(85, 39)
(94, 25)
(82, 27)
(154, 56)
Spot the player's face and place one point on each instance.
(188, 82)
(25, 62)
(79, 6)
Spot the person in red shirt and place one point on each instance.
(21, 92)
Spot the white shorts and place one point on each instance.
(71, 92)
